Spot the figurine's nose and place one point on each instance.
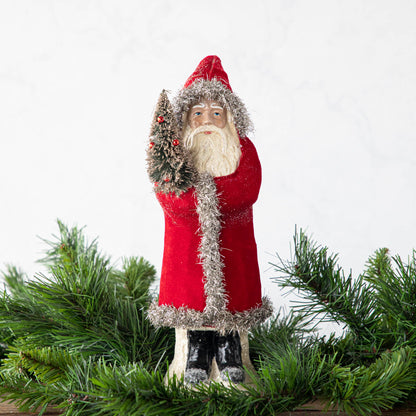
(206, 119)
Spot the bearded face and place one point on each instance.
(212, 139)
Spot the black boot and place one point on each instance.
(228, 356)
(200, 355)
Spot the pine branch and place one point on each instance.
(47, 365)
(394, 284)
(137, 275)
(85, 304)
(276, 333)
(363, 391)
(27, 394)
(298, 371)
(14, 280)
(325, 289)
(378, 265)
(45, 377)
(24, 317)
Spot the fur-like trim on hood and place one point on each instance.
(216, 91)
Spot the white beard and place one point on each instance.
(217, 153)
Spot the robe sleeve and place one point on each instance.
(240, 190)
(183, 205)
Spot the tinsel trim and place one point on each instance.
(212, 90)
(209, 248)
(223, 321)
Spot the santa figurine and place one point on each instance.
(207, 176)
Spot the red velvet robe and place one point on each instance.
(182, 280)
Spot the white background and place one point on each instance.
(330, 86)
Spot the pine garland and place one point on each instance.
(169, 165)
(78, 338)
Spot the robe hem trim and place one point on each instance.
(223, 320)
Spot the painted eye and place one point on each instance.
(217, 114)
(197, 113)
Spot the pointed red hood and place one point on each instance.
(208, 69)
(210, 81)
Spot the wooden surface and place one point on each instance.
(10, 409)
(316, 409)
(313, 409)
